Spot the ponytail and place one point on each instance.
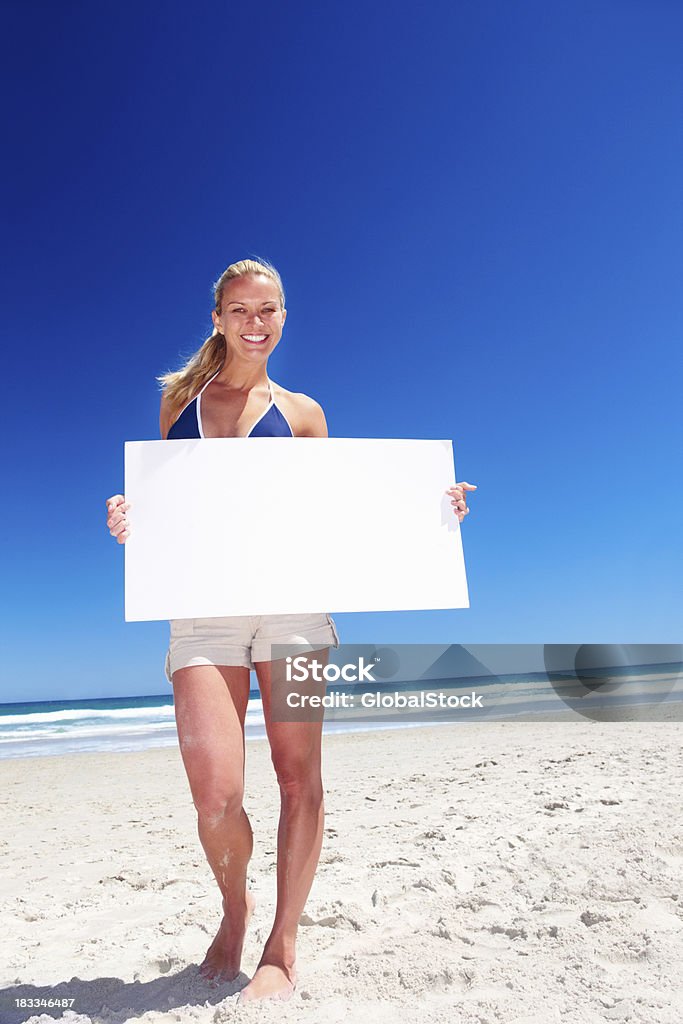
(179, 387)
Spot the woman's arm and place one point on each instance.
(165, 418)
(312, 423)
(117, 521)
(117, 505)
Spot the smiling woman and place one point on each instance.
(231, 318)
(224, 391)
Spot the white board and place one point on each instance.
(263, 526)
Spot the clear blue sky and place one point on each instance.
(477, 212)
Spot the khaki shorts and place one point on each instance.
(243, 639)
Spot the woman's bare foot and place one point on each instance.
(222, 960)
(269, 982)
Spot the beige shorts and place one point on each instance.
(243, 639)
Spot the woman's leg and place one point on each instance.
(296, 754)
(210, 708)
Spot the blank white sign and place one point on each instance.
(264, 526)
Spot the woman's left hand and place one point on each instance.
(458, 501)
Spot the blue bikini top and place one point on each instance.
(271, 422)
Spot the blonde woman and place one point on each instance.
(224, 391)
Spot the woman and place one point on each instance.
(224, 391)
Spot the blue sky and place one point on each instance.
(476, 210)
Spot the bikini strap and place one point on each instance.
(206, 384)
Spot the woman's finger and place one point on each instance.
(458, 488)
(115, 519)
(117, 509)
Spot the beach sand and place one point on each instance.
(470, 873)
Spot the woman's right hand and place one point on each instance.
(116, 518)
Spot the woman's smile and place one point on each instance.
(255, 339)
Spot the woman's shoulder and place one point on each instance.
(170, 410)
(305, 415)
(297, 398)
(166, 416)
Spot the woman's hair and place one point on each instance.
(181, 385)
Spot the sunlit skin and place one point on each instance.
(211, 701)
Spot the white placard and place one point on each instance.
(271, 525)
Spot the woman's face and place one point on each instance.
(251, 316)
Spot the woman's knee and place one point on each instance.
(298, 776)
(218, 802)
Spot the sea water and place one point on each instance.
(132, 723)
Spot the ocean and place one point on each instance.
(111, 724)
(43, 728)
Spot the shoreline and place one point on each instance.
(120, 724)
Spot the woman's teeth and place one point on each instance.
(255, 338)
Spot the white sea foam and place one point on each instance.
(74, 714)
(93, 728)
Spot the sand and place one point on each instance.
(472, 873)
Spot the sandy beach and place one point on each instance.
(476, 873)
